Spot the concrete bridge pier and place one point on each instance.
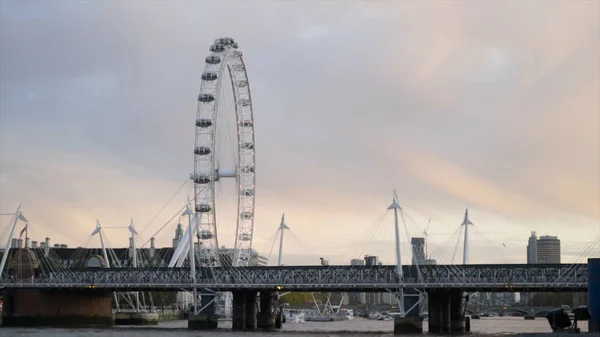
(206, 319)
(435, 310)
(446, 316)
(46, 307)
(266, 316)
(250, 307)
(238, 319)
(457, 311)
(446, 311)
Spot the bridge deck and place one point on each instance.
(496, 278)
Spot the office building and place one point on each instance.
(548, 249)
(532, 248)
(418, 251)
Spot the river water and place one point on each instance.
(492, 326)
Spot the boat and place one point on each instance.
(560, 319)
(293, 316)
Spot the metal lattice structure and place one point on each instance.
(225, 61)
(499, 278)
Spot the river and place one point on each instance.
(483, 327)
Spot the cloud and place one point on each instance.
(494, 106)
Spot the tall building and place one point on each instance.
(525, 298)
(548, 249)
(418, 251)
(532, 248)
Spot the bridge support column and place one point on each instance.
(206, 319)
(457, 311)
(266, 317)
(446, 311)
(250, 310)
(594, 295)
(435, 310)
(238, 319)
(73, 308)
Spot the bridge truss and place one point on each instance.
(490, 278)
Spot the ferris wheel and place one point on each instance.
(224, 116)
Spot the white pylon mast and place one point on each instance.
(466, 223)
(98, 231)
(282, 227)
(396, 208)
(18, 216)
(133, 247)
(134, 260)
(192, 256)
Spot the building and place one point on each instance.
(418, 251)
(227, 256)
(548, 249)
(532, 248)
(525, 298)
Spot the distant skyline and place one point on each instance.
(494, 106)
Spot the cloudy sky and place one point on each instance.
(489, 105)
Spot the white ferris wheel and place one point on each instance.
(224, 119)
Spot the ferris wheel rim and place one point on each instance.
(227, 59)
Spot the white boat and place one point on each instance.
(294, 316)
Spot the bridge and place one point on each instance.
(535, 311)
(485, 277)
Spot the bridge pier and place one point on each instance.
(457, 312)
(238, 317)
(244, 310)
(250, 308)
(435, 310)
(266, 316)
(445, 304)
(72, 308)
(446, 311)
(206, 319)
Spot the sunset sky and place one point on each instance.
(494, 106)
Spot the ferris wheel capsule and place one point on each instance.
(203, 208)
(225, 41)
(213, 59)
(206, 98)
(209, 76)
(203, 122)
(217, 48)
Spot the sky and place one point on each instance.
(494, 106)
